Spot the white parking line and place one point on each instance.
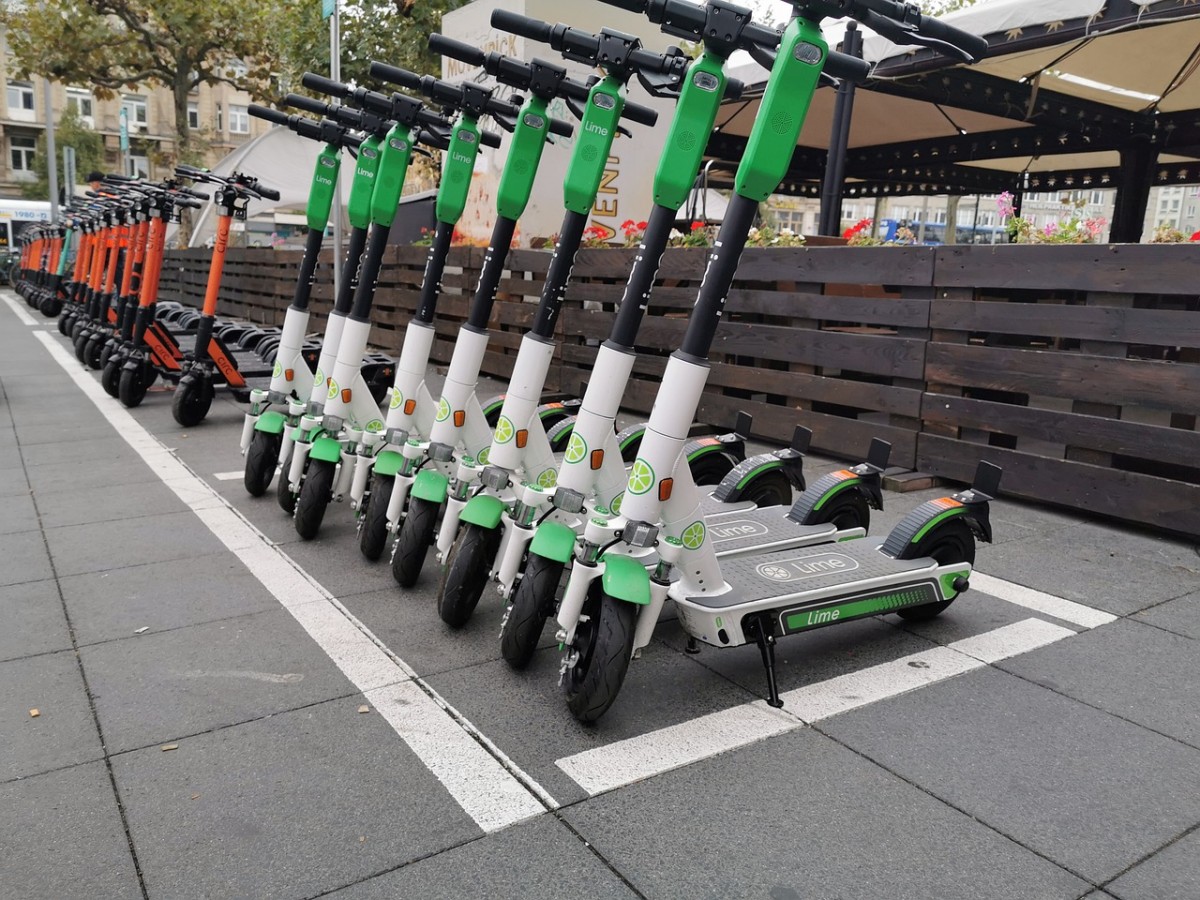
(491, 789)
(633, 759)
(26, 318)
(228, 476)
(1067, 610)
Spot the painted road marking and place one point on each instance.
(26, 318)
(1067, 610)
(228, 476)
(633, 759)
(488, 785)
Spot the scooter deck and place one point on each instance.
(807, 571)
(739, 530)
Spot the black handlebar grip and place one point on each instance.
(192, 192)
(396, 75)
(320, 83)
(634, 6)
(733, 89)
(973, 44)
(643, 115)
(840, 65)
(489, 138)
(271, 115)
(561, 128)
(650, 61)
(308, 104)
(266, 193)
(444, 46)
(520, 25)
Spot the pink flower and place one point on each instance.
(1004, 203)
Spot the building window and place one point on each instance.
(239, 120)
(21, 151)
(139, 167)
(193, 114)
(136, 109)
(220, 119)
(80, 102)
(20, 96)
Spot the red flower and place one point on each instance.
(642, 226)
(627, 225)
(697, 226)
(1195, 236)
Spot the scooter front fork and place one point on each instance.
(513, 545)
(648, 615)
(449, 530)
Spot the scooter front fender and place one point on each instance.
(327, 449)
(626, 579)
(554, 541)
(272, 422)
(430, 485)
(483, 510)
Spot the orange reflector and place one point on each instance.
(522, 438)
(460, 416)
(410, 407)
(664, 489)
(289, 374)
(843, 474)
(345, 395)
(597, 458)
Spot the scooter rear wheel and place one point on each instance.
(373, 530)
(711, 468)
(533, 603)
(261, 458)
(283, 490)
(315, 493)
(769, 489)
(416, 534)
(604, 638)
(193, 398)
(948, 543)
(466, 575)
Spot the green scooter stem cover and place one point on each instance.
(457, 169)
(691, 125)
(65, 252)
(789, 93)
(593, 141)
(394, 158)
(363, 186)
(324, 183)
(524, 155)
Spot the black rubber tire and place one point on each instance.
(373, 530)
(50, 307)
(847, 509)
(192, 401)
(64, 325)
(92, 350)
(283, 490)
(110, 375)
(76, 329)
(710, 468)
(132, 387)
(80, 341)
(315, 493)
(465, 576)
(106, 352)
(605, 641)
(261, 458)
(948, 543)
(771, 488)
(416, 534)
(533, 602)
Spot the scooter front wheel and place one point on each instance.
(315, 494)
(283, 490)
(948, 543)
(533, 603)
(373, 532)
(466, 575)
(416, 534)
(261, 458)
(604, 642)
(132, 387)
(193, 398)
(92, 350)
(110, 375)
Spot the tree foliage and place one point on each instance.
(89, 155)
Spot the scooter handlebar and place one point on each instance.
(489, 138)
(320, 83)
(308, 104)
(266, 193)
(522, 26)
(643, 115)
(468, 53)
(271, 115)
(396, 75)
(561, 128)
(850, 68)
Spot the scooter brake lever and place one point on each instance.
(764, 56)
(660, 84)
(621, 129)
(575, 108)
(505, 122)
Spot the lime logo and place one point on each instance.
(504, 430)
(333, 389)
(319, 379)
(375, 426)
(397, 399)
(484, 455)
(277, 371)
(443, 412)
(576, 448)
(812, 565)
(547, 479)
(616, 504)
(693, 535)
(641, 477)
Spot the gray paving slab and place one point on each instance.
(107, 503)
(1171, 874)
(1074, 783)
(33, 620)
(10, 454)
(12, 481)
(526, 713)
(160, 596)
(57, 432)
(63, 838)
(64, 733)
(288, 806)
(1181, 615)
(531, 861)
(100, 546)
(1086, 572)
(799, 816)
(25, 557)
(1140, 673)
(88, 473)
(1167, 553)
(17, 513)
(155, 687)
(99, 445)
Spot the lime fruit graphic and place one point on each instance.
(576, 448)
(641, 477)
(443, 412)
(693, 535)
(547, 479)
(504, 430)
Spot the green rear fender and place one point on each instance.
(483, 510)
(430, 485)
(272, 422)
(626, 579)
(327, 449)
(554, 541)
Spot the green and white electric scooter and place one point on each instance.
(275, 412)
(612, 602)
(352, 426)
(456, 420)
(519, 448)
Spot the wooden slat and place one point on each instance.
(1168, 328)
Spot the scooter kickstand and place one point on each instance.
(764, 636)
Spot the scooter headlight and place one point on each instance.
(397, 436)
(333, 423)
(568, 501)
(276, 397)
(640, 534)
(494, 478)
(440, 452)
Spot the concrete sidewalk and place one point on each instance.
(200, 675)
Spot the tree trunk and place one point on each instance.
(951, 236)
(183, 136)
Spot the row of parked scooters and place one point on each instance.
(570, 518)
